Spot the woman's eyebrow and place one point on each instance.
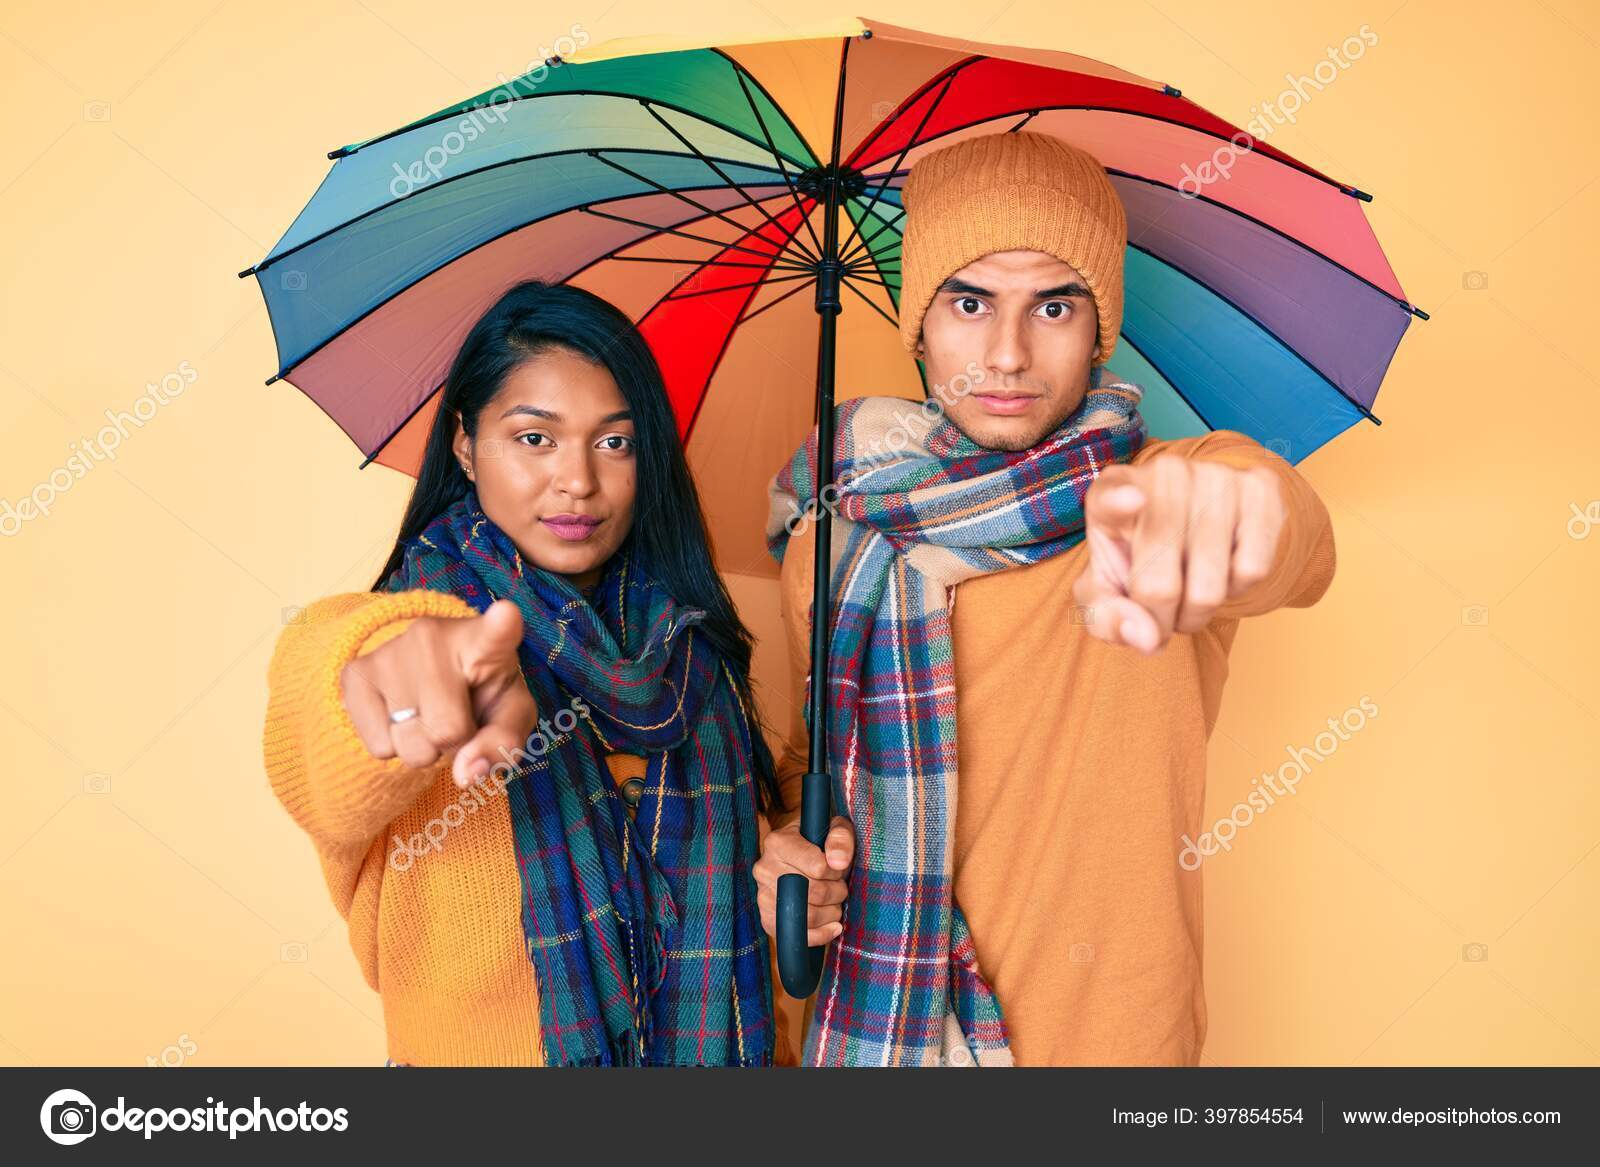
(550, 415)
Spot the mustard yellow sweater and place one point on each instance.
(438, 932)
(441, 940)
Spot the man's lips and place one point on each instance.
(573, 528)
(1006, 404)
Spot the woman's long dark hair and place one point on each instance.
(668, 529)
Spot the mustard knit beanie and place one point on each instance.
(997, 192)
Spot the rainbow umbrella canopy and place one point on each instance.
(741, 203)
(688, 185)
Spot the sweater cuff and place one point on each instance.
(366, 630)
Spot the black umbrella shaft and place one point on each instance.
(817, 759)
(800, 967)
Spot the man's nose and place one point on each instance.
(1008, 344)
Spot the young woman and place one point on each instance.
(529, 758)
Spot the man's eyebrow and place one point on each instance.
(1060, 291)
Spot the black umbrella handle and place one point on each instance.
(800, 967)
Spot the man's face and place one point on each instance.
(1028, 321)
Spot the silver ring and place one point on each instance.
(398, 715)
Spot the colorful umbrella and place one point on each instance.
(700, 187)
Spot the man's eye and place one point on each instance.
(535, 439)
(616, 442)
(1055, 309)
(968, 305)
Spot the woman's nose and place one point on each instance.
(575, 475)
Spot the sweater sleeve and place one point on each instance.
(1303, 566)
(340, 794)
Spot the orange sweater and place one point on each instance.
(441, 940)
(440, 937)
(1082, 765)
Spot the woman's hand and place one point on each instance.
(785, 851)
(461, 676)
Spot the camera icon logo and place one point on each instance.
(68, 1117)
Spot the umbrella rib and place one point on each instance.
(732, 287)
(805, 217)
(747, 231)
(541, 156)
(435, 119)
(867, 278)
(416, 409)
(869, 303)
(1287, 347)
(863, 246)
(1281, 159)
(1173, 385)
(1221, 206)
(1265, 226)
(924, 89)
(283, 372)
(904, 150)
(769, 304)
(660, 229)
(708, 262)
(800, 246)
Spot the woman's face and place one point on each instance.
(554, 463)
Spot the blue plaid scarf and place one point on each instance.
(643, 930)
(921, 508)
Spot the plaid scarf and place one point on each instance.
(920, 508)
(643, 930)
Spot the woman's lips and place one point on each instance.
(573, 528)
(1006, 406)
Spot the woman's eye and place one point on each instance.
(1055, 309)
(535, 439)
(616, 442)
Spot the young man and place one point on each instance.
(1034, 604)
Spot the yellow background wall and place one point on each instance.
(158, 903)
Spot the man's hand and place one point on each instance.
(1170, 540)
(786, 851)
(461, 675)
